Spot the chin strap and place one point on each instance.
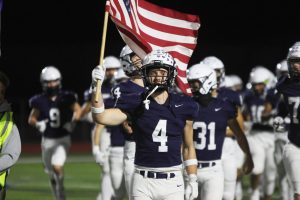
(146, 101)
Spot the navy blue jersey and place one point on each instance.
(291, 94)
(126, 88)
(254, 105)
(57, 112)
(116, 132)
(230, 95)
(159, 130)
(105, 90)
(273, 97)
(210, 128)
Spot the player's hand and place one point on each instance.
(98, 155)
(191, 190)
(41, 125)
(278, 124)
(98, 73)
(248, 165)
(127, 127)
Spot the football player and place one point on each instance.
(229, 148)
(214, 115)
(237, 83)
(162, 123)
(261, 137)
(101, 138)
(52, 114)
(289, 87)
(131, 65)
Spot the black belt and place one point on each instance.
(207, 164)
(156, 175)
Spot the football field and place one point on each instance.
(27, 180)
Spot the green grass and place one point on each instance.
(27, 180)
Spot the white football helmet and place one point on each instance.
(218, 66)
(111, 62)
(237, 82)
(281, 68)
(205, 75)
(50, 73)
(293, 57)
(129, 67)
(228, 83)
(155, 60)
(120, 76)
(260, 74)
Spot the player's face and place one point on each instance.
(110, 73)
(195, 85)
(53, 84)
(259, 88)
(137, 62)
(296, 66)
(2, 92)
(158, 76)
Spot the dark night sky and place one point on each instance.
(67, 34)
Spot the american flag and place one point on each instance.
(145, 27)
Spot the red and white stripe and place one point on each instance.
(149, 27)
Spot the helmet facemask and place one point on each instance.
(52, 87)
(158, 74)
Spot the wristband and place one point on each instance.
(98, 110)
(190, 162)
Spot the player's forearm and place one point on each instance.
(243, 143)
(240, 136)
(96, 134)
(32, 121)
(190, 160)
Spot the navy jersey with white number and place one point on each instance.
(255, 105)
(57, 112)
(210, 128)
(291, 93)
(105, 90)
(126, 88)
(159, 130)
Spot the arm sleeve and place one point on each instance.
(11, 150)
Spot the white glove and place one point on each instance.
(191, 190)
(41, 125)
(98, 155)
(278, 124)
(98, 73)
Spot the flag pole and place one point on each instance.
(102, 52)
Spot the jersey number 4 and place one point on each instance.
(160, 135)
(203, 137)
